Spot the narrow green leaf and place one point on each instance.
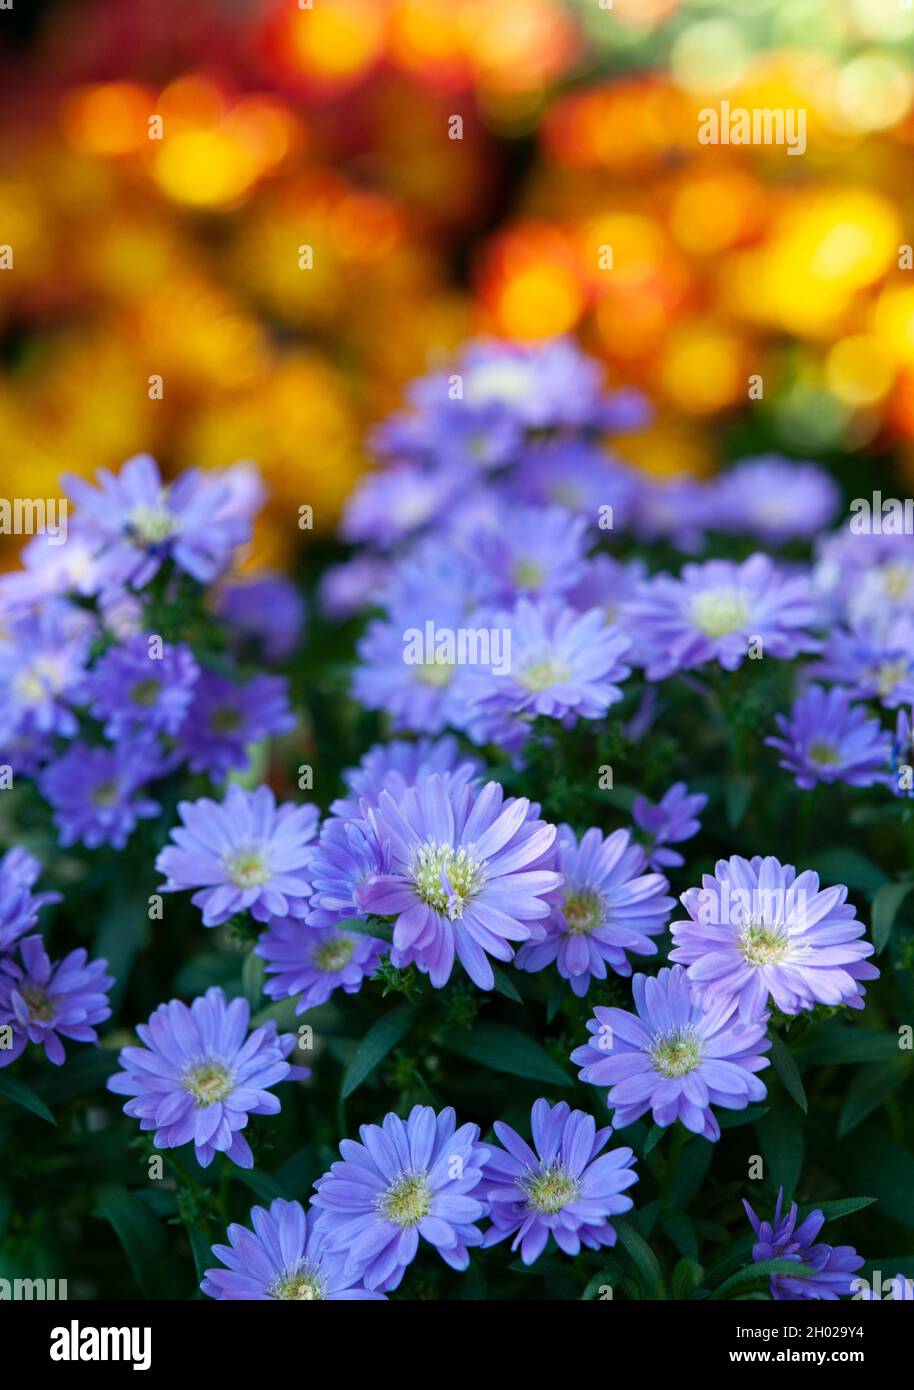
(655, 1134)
(782, 1139)
(886, 905)
(833, 1043)
(264, 1185)
(870, 1087)
(789, 1073)
(143, 1238)
(851, 867)
(381, 931)
(680, 1228)
(382, 1036)
(504, 984)
(685, 1278)
(502, 1048)
(23, 1095)
(253, 973)
(841, 1206)
(755, 1273)
(644, 1260)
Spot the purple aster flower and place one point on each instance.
(314, 961)
(388, 507)
(673, 819)
(540, 554)
(677, 1056)
(44, 1002)
(96, 793)
(426, 695)
(404, 1180)
(243, 855)
(351, 587)
(563, 664)
(825, 738)
(865, 577)
(560, 1187)
(226, 717)
(265, 612)
(19, 906)
(199, 1075)
(348, 855)
(136, 521)
(608, 584)
(898, 1289)
(783, 1239)
(469, 874)
(715, 611)
(605, 907)
(50, 570)
(756, 928)
(42, 665)
(675, 510)
(902, 756)
(579, 476)
(284, 1257)
(397, 765)
(775, 498)
(874, 663)
(133, 691)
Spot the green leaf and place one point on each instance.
(878, 1165)
(832, 1043)
(23, 1095)
(841, 1206)
(789, 1073)
(655, 1134)
(737, 796)
(253, 973)
(504, 984)
(264, 1185)
(381, 931)
(690, 1172)
(732, 1119)
(850, 867)
(143, 1237)
(755, 1273)
(886, 904)
(502, 1048)
(870, 1087)
(643, 1258)
(782, 1138)
(383, 1035)
(681, 1230)
(685, 1278)
(604, 1279)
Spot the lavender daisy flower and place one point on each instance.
(397, 765)
(775, 498)
(19, 906)
(560, 1187)
(388, 507)
(348, 855)
(42, 665)
(226, 717)
(243, 855)
(898, 1289)
(347, 589)
(825, 738)
(673, 819)
(783, 1239)
(902, 756)
(44, 1002)
(677, 1056)
(132, 690)
(428, 695)
(404, 1180)
(715, 611)
(96, 793)
(265, 612)
(314, 961)
(579, 476)
(469, 874)
(284, 1257)
(136, 522)
(200, 1075)
(872, 663)
(865, 578)
(563, 664)
(605, 907)
(541, 554)
(756, 928)
(608, 584)
(675, 510)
